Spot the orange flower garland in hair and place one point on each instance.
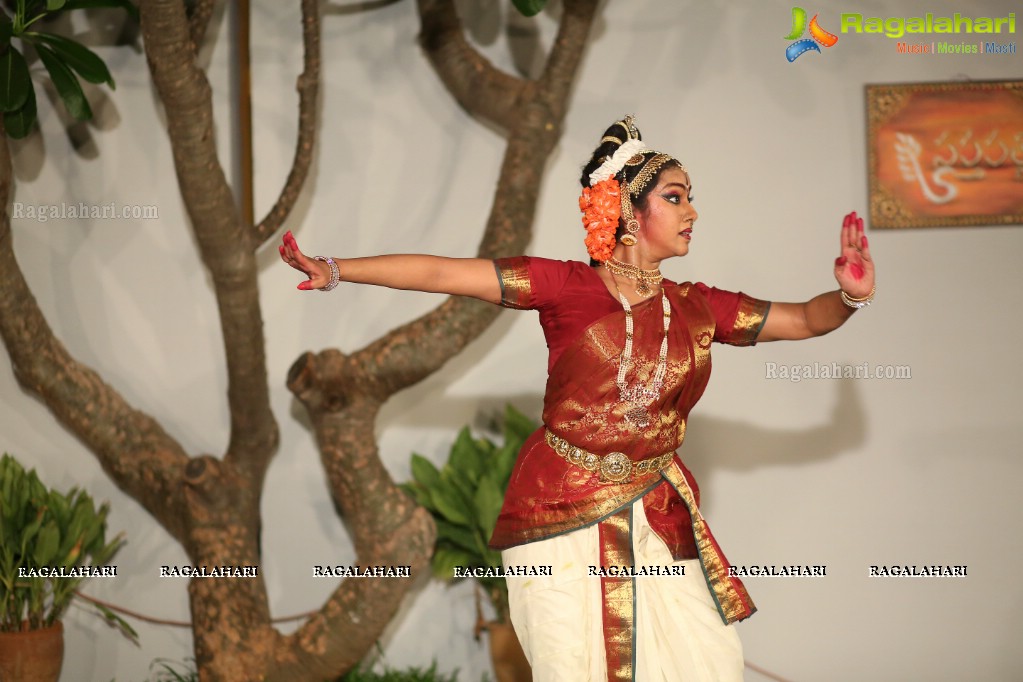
(601, 205)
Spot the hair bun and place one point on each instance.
(620, 132)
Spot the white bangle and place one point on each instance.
(335, 273)
(857, 303)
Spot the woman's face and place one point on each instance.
(666, 224)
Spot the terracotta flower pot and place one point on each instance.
(32, 655)
(510, 664)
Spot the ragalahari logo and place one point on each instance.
(818, 35)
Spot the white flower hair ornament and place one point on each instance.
(612, 166)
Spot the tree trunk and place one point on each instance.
(211, 505)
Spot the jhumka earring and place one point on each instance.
(631, 224)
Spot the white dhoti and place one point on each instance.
(676, 630)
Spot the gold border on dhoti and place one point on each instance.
(730, 595)
(618, 597)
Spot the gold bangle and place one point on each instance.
(868, 297)
(857, 303)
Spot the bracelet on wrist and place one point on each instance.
(335, 273)
(857, 303)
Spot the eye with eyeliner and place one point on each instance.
(675, 198)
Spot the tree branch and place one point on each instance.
(308, 88)
(343, 393)
(569, 45)
(140, 457)
(199, 21)
(226, 245)
(388, 527)
(478, 86)
(415, 350)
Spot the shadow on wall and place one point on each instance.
(716, 443)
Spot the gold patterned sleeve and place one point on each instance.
(738, 318)
(516, 287)
(749, 320)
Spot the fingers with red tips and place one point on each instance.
(840, 261)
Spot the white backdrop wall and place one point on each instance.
(843, 473)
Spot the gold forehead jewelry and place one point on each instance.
(639, 183)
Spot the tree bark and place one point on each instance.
(308, 87)
(211, 505)
(343, 393)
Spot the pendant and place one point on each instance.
(638, 416)
(643, 288)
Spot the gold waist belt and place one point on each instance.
(615, 467)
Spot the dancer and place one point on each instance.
(639, 588)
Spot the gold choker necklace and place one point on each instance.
(645, 279)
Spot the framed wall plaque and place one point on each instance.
(945, 154)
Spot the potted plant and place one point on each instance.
(49, 543)
(465, 497)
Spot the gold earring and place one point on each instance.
(631, 224)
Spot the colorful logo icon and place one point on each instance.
(818, 35)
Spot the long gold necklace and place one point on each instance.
(639, 397)
(645, 280)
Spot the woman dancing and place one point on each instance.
(639, 589)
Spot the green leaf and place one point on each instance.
(84, 61)
(420, 494)
(19, 13)
(66, 83)
(451, 506)
(517, 426)
(116, 621)
(425, 472)
(488, 500)
(445, 560)
(6, 30)
(457, 481)
(459, 536)
(504, 463)
(29, 534)
(46, 544)
(102, 556)
(54, 5)
(127, 6)
(529, 7)
(466, 457)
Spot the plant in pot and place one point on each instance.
(49, 542)
(465, 497)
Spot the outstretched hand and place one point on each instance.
(854, 268)
(318, 272)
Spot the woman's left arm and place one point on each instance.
(854, 270)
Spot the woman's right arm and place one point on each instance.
(473, 277)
